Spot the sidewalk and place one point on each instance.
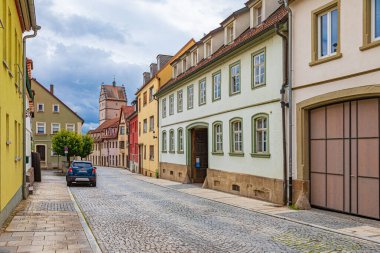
(47, 221)
(362, 228)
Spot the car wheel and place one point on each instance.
(68, 184)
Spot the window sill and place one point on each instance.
(326, 59)
(236, 154)
(180, 152)
(234, 94)
(258, 86)
(202, 104)
(40, 134)
(172, 152)
(258, 155)
(218, 153)
(164, 152)
(216, 99)
(370, 45)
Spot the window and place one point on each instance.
(218, 138)
(371, 21)
(164, 142)
(235, 78)
(151, 152)
(236, 137)
(40, 107)
(164, 108)
(55, 108)
(216, 86)
(144, 152)
(180, 101)
(53, 153)
(259, 15)
(375, 19)
(259, 69)
(122, 130)
(171, 141)
(151, 94)
(190, 96)
(180, 141)
(139, 128)
(41, 128)
(171, 104)
(195, 57)
(55, 127)
(145, 98)
(139, 105)
(70, 127)
(207, 46)
(151, 123)
(175, 70)
(184, 65)
(202, 91)
(260, 135)
(230, 33)
(145, 129)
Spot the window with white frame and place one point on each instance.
(70, 127)
(40, 107)
(151, 152)
(328, 33)
(259, 14)
(218, 137)
(151, 123)
(230, 33)
(194, 57)
(190, 96)
(216, 86)
(235, 78)
(207, 46)
(375, 19)
(151, 93)
(180, 140)
(259, 69)
(171, 141)
(175, 70)
(55, 108)
(261, 134)
(184, 65)
(41, 128)
(53, 153)
(145, 125)
(237, 136)
(55, 127)
(180, 101)
(171, 104)
(164, 108)
(202, 92)
(164, 142)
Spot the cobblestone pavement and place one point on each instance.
(46, 222)
(130, 215)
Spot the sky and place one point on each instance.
(84, 43)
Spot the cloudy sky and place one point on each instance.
(86, 42)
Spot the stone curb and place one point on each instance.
(140, 177)
(87, 230)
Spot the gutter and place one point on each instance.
(35, 30)
(290, 101)
(284, 104)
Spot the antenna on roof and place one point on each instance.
(114, 81)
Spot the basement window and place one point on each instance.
(236, 187)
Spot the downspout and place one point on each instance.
(290, 100)
(284, 104)
(35, 30)
(158, 132)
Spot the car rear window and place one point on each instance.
(82, 165)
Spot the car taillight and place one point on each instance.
(70, 170)
(94, 170)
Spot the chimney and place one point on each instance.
(162, 60)
(52, 89)
(146, 76)
(153, 69)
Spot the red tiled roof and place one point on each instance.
(107, 124)
(276, 17)
(127, 111)
(114, 92)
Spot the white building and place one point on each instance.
(220, 115)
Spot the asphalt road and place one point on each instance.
(130, 215)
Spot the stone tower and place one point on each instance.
(111, 99)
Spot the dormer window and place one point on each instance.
(259, 15)
(175, 70)
(184, 65)
(208, 48)
(230, 33)
(194, 57)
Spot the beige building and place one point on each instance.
(123, 139)
(336, 104)
(111, 99)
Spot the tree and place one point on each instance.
(71, 140)
(87, 145)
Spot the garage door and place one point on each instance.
(344, 157)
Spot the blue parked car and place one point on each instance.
(81, 172)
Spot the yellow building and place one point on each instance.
(16, 17)
(160, 73)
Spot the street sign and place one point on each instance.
(66, 149)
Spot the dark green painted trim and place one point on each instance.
(179, 151)
(263, 50)
(219, 72)
(237, 63)
(171, 131)
(232, 152)
(166, 139)
(214, 151)
(253, 141)
(218, 153)
(199, 92)
(226, 111)
(178, 108)
(187, 97)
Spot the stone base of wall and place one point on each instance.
(148, 173)
(267, 189)
(174, 172)
(12, 204)
(300, 186)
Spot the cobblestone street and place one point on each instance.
(130, 215)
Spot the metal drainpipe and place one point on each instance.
(158, 132)
(284, 104)
(35, 30)
(290, 100)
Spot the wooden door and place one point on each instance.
(199, 151)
